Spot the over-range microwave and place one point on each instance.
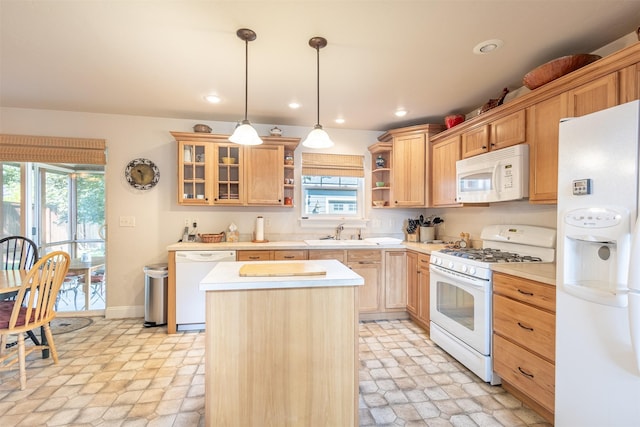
(496, 176)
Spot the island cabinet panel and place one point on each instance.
(282, 357)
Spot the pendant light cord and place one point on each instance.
(246, 77)
(318, 85)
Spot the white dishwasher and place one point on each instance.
(191, 267)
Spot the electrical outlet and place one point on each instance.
(267, 224)
(195, 222)
(187, 222)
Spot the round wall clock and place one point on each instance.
(142, 174)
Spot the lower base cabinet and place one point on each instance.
(524, 340)
(418, 288)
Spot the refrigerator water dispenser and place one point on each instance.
(596, 253)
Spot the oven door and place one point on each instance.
(461, 305)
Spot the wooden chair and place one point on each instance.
(17, 253)
(32, 308)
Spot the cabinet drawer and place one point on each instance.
(326, 254)
(284, 255)
(532, 375)
(364, 256)
(254, 255)
(534, 293)
(530, 327)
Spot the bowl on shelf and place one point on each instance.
(558, 67)
(228, 160)
(380, 184)
(378, 203)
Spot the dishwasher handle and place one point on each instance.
(204, 256)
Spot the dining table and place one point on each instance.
(85, 268)
(11, 281)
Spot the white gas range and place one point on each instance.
(461, 290)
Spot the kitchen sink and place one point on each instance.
(330, 242)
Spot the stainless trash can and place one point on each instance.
(156, 281)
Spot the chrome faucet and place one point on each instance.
(339, 231)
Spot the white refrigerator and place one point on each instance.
(597, 279)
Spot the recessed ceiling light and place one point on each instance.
(214, 99)
(294, 105)
(401, 113)
(487, 46)
(340, 121)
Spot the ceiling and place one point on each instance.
(160, 58)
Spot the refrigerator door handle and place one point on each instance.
(634, 293)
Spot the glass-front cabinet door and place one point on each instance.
(194, 161)
(228, 175)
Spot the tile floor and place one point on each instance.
(118, 373)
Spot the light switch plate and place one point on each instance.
(127, 221)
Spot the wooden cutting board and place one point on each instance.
(281, 269)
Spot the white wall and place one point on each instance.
(160, 220)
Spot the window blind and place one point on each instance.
(318, 164)
(50, 149)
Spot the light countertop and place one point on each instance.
(225, 276)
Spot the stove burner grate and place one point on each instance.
(489, 255)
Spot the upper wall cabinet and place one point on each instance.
(213, 171)
(500, 133)
(444, 156)
(534, 118)
(408, 166)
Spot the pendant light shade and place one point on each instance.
(318, 138)
(244, 133)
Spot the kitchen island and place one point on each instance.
(281, 349)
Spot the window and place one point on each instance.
(331, 195)
(332, 186)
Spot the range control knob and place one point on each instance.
(451, 265)
(472, 270)
(464, 269)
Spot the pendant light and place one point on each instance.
(318, 138)
(244, 133)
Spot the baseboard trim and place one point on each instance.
(124, 312)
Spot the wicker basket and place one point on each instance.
(211, 238)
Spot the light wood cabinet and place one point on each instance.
(213, 171)
(368, 264)
(195, 165)
(596, 95)
(444, 156)
(395, 280)
(497, 134)
(409, 177)
(381, 173)
(408, 164)
(418, 278)
(412, 283)
(265, 175)
(524, 340)
(424, 278)
(328, 254)
(543, 121)
(610, 81)
(271, 255)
